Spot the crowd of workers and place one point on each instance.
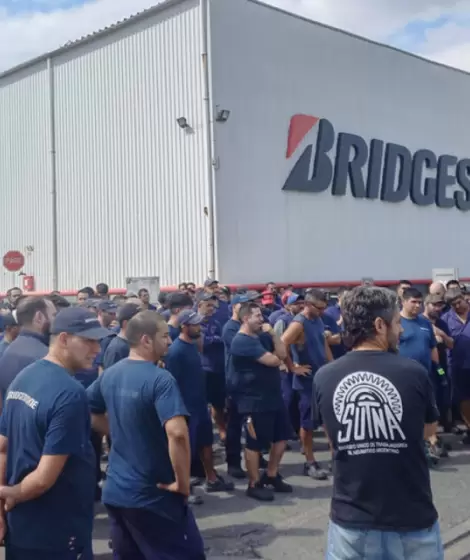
(376, 369)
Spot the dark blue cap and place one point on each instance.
(107, 306)
(240, 298)
(91, 303)
(8, 321)
(294, 298)
(189, 317)
(80, 322)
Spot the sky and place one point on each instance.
(436, 29)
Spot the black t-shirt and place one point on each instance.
(374, 406)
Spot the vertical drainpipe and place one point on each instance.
(53, 170)
(209, 124)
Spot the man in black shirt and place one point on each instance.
(376, 406)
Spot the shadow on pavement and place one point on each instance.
(243, 540)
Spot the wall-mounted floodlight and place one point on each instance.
(222, 115)
(182, 122)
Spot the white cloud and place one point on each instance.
(30, 34)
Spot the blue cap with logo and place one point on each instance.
(189, 317)
(79, 322)
(294, 298)
(240, 298)
(107, 306)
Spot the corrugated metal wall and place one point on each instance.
(131, 182)
(25, 199)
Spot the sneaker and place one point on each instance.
(277, 483)
(466, 439)
(313, 470)
(236, 472)
(441, 449)
(263, 464)
(288, 446)
(196, 481)
(260, 493)
(194, 500)
(218, 485)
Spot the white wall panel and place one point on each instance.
(25, 184)
(268, 66)
(131, 183)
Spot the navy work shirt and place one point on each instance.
(117, 350)
(103, 346)
(331, 325)
(174, 332)
(46, 413)
(417, 340)
(213, 346)
(229, 331)
(459, 356)
(4, 344)
(258, 387)
(26, 349)
(184, 362)
(222, 312)
(311, 352)
(139, 399)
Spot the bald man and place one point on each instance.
(437, 289)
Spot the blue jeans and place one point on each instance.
(357, 544)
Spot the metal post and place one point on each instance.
(53, 170)
(208, 109)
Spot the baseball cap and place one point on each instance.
(293, 298)
(240, 298)
(107, 306)
(204, 296)
(92, 303)
(79, 322)
(253, 295)
(209, 282)
(189, 317)
(9, 320)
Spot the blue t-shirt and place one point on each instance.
(139, 399)
(86, 376)
(311, 352)
(417, 340)
(333, 311)
(26, 349)
(258, 387)
(46, 413)
(229, 331)
(276, 315)
(459, 356)
(222, 312)
(213, 346)
(184, 362)
(117, 350)
(4, 344)
(103, 346)
(331, 325)
(174, 332)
